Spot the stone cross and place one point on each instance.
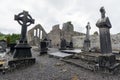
(88, 31)
(86, 45)
(104, 25)
(24, 19)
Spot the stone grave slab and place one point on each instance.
(75, 51)
(60, 55)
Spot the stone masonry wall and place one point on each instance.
(55, 35)
(95, 42)
(67, 32)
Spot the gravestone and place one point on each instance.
(107, 59)
(3, 44)
(12, 47)
(43, 46)
(63, 44)
(86, 46)
(23, 49)
(71, 45)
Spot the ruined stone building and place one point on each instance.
(67, 32)
(55, 35)
(36, 34)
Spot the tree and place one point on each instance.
(12, 38)
(95, 33)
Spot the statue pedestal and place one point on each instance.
(106, 60)
(86, 47)
(22, 51)
(107, 63)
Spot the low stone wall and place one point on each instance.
(95, 42)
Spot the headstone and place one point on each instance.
(23, 49)
(63, 44)
(86, 45)
(43, 46)
(12, 47)
(71, 45)
(107, 59)
(3, 44)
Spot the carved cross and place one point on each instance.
(24, 19)
(88, 30)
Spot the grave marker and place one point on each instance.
(23, 49)
(107, 60)
(86, 46)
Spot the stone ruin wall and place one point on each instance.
(67, 32)
(95, 42)
(34, 35)
(55, 35)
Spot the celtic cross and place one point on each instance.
(24, 19)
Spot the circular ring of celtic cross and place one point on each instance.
(24, 18)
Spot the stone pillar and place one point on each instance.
(36, 32)
(39, 33)
(106, 59)
(86, 45)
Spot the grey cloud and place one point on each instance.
(51, 12)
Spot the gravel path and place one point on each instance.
(47, 68)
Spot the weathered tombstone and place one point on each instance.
(63, 44)
(71, 45)
(107, 59)
(3, 44)
(43, 46)
(12, 47)
(23, 49)
(86, 45)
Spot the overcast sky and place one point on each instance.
(52, 12)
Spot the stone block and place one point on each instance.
(106, 60)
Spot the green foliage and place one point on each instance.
(2, 37)
(10, 38)
(95, 33)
